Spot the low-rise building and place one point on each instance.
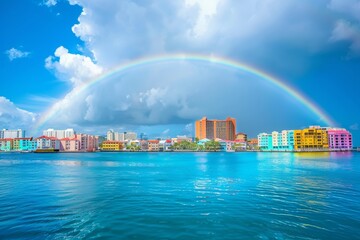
(24, 144)
(339, 139)
(144, 145)
(45, 142)
(69, 144)
(153, 145)
(112, 146)
(6, 144)
(165, 145)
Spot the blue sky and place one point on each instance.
(51, 47)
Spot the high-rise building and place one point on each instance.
(6, 133)
(212, 129)
(67, 133)
(130, 136)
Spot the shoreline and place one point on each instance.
(182, 151)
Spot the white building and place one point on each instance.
(130, 136)
(5, 133)
(45, 142)
(67, 133)
(120, 136)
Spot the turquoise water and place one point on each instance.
(180, 196)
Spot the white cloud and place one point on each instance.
(50, 3)
(345, 31)
(75, 68)
(14, 53)
(13, 117)
(262, 33)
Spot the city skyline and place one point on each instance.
(70, 64)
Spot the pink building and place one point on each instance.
(88, 143)
(69, 144)
(80, 143)
(339, 139)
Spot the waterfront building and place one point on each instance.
(165, 145)
(226, 145)
(24, 144)
(339, 139)
(313, 138)
(112, 146)
(69, 144)
(88, 143)
(59, 134)
(282, 141)
(252, 144)
(45, 142)
(240, 145)
(6, 133)
(203, 141)
(153, 145)
(144, 145)
(212, 129)
(265, 141)
(6, 144)
(180, 139)
(241, 137)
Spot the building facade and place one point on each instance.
(24, 144)
(212, 129)
(153, 145)
(6, 133)
(339, 139)
(59, 134)
(112, 146)
(45, 142)
(313, 138)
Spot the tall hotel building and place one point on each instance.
(212, 129)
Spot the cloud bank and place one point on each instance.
(279, 37)
(12, 117)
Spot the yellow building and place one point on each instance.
(312, 138)
(112, 146)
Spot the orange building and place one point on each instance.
(211, 129)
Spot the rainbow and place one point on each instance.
(225, 62)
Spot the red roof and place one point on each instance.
(153, 141)
(46, 137)
(30, 138)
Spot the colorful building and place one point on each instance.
(153, 145)
(24, 144)
(69, 145)
(339, 139)
(241, 137)
(45, 142)
(265, 141)
(313, 138)
(165, 145)
(6, 144)
(276, 141)
(212, 129)
(112, 146)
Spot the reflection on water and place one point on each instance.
(180, 195)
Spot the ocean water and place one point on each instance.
(180, 196)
